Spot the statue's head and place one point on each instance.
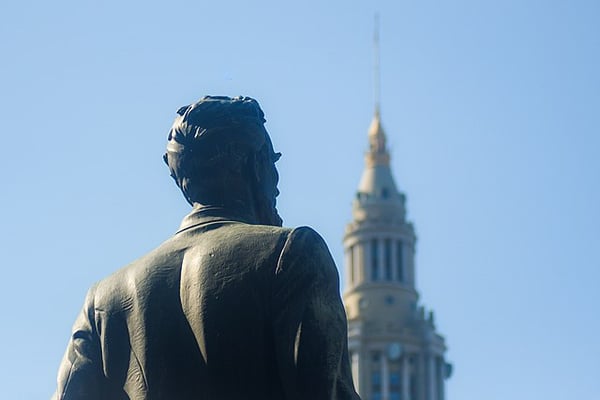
(220, 154)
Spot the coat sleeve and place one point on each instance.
(80, 375)
(309, 322)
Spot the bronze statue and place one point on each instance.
(233, 306)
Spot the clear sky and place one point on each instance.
(492, 110)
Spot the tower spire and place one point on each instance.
(377, 154)
(376, 66)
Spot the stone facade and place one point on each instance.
(395, 351)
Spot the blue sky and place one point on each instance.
(492, 111)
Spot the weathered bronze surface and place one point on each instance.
(233, 306)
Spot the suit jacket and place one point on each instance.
(222, 310)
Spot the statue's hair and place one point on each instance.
(216, 140)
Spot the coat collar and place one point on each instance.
(202, 215)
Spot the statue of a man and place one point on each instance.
(233, 306)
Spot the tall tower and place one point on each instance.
(395, 351)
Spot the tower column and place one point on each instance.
(350, 271)
(385, 377)
(431, 381)
(409, 264)
(394, 261)
(404, 264)
(363, 369)
(367, 261)
(440, 377)
(381, 259)
(406, 378)
(359, 262)
(421, 378)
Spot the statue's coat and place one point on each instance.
(222, 310)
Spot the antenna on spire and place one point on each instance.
(376, 67)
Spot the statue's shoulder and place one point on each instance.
(305, 257)
(305, 236)
(275, 238)
(159, 266)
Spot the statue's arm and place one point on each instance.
(80, 375)
(310, 324)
